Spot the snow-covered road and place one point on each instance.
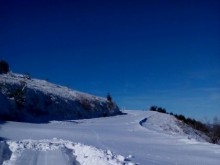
(31, 157)
(111, 137)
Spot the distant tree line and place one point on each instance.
(211, 130)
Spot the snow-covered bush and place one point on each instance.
(4, 67)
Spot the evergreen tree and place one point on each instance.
(4, 67)
(109, 97)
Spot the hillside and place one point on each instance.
(168, 124)
(25, 99)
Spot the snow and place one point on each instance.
(73, 135)
(34, 100)
(168, 124)
(57, 152)
(135, 138)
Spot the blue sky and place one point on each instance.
(157, 52)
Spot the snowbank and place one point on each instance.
(58, 151)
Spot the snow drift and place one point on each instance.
(33, 100)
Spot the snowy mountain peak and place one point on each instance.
(26, 99)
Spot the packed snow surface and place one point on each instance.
(140, 137)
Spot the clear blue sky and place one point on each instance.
(152, 52)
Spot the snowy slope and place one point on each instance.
(168, 124)
(135, 138)
(24, 99)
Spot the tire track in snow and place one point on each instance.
(55, 157)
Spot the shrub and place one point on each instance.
(4, 67)
(181, 117)
(214, 131)
(153, 108)
(162, 110)
(158, 109)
